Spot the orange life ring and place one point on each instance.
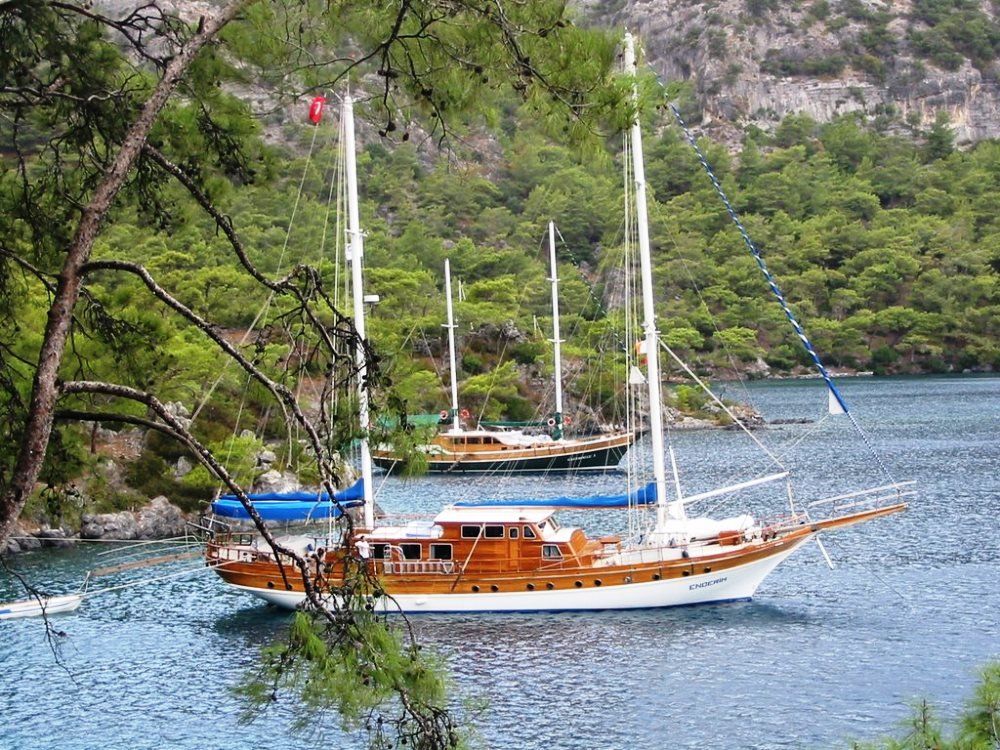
(567, 420)
(464, 414)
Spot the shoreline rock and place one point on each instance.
(159, 519)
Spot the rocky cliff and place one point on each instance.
(752, 62)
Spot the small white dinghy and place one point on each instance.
(36, 606)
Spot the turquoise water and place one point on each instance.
(817, 658)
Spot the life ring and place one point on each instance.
(551, 422)
(464, 414)
(567, 420)
(444, 414)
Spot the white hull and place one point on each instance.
(52, 605)
(739, 583)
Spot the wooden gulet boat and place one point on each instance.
(462, 450)
(518, 558)
(488, 451)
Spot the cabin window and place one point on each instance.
(551, 551)
(514, 532)
(410, 551)
(380, 551)
(440, 552)
(471, 532)
(529, 533)
(494, 532)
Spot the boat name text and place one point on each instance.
(704, 584)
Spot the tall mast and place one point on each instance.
(455, 426)
(355, 252)
(648, 311)
(556, 341)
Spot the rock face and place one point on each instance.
(158, 520)
(756, 61)
(56, 538)
(276, 481)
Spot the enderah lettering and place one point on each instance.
(705, 584)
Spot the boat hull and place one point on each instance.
(603, 457)
(52, 605)
(732, 582)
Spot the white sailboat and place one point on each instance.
(516, 557)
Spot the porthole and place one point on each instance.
(578, 584)
(656, 576)
(270, 584)
(627, 579)
(475, 589)
(494, 588)
(531, 587)
(708, 570)
(550, 585)
(597, 581)
(685, 572)
(288, 587)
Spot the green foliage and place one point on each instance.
(690, 399)
(738, 342)
(783, 64)
(151, 476)
(491, 394)
(950, 30)
(381, 685)
(978, 726)
(238, 454)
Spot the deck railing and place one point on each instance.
(410, 567)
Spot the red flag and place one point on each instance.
(316, 109)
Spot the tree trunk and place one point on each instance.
(45, 388)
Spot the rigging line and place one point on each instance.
(236, 424)
(267, 302)
(717, 400)
(496, 370)
(755, 252)
(729, 355)
(590, 387)
(228, 361)
(787, 449)
(866, 564)
(339, 235)
(334, 183)
(715, 325)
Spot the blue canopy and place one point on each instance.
(292, 506)
(642, 496)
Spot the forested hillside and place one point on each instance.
(887, 248)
